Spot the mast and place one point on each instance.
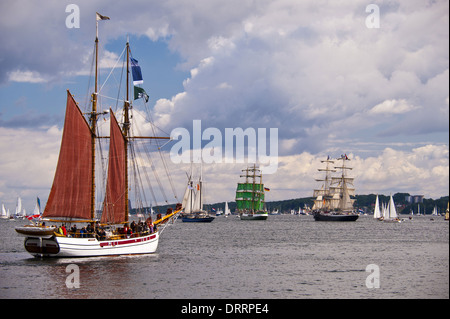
(126, 129)
(323, 195)
(261, 204)
(254, 190)
(201, 187)
(94, 115)
(93, 122)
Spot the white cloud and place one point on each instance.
(25, 76)
(29, 163)
(312, 70)
(392, 107)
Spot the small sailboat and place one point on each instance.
(72, 197)
(391, 212)
(250, 197)
(274, 212)
(4, 213)
(19, 210)
(227, 210)
(447, 213)
(377, 211)
(37, 207)
(435, 212)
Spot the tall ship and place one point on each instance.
(192, 203)
(250, 198)
(74, 193)
(332, 201)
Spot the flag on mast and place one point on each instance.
(139, 93)
(100, 17)
(136, 71)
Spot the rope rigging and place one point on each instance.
(144, 175)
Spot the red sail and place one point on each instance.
(114, 205)
(70, 196)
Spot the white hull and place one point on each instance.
(90, 247)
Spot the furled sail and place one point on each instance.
(70, 196)
(115, 201)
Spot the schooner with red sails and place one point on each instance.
(72, 198)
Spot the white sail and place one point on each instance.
(193, 196)
(188, 199)
(227, 210)
(435, 212)
(392, 210)
(184, 202)
(4, 213)
(19, 207)
(198, 202)
(376, 212)
(37, 207)
(385, 211)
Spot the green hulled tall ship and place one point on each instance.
(250, 195)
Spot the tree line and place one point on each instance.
(363, 202)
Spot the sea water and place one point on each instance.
(284, 257)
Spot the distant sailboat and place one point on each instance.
(19, 210)
(37, 207)
(193, 203)
(4, 214)
(391, 212)
(227, 210)
(377, 212)
(435, 212)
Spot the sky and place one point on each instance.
(323, 73)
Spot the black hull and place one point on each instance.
(335, 217)
(197, 220)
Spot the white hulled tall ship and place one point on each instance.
(72, 197)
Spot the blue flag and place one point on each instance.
(136, 71)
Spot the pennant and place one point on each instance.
(139, 93)
(100, 17)
(136, 71)
(266, 189)
(33, 216)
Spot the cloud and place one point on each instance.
(25, 76)
(392, 107)
(314, 71)
(28, 169)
